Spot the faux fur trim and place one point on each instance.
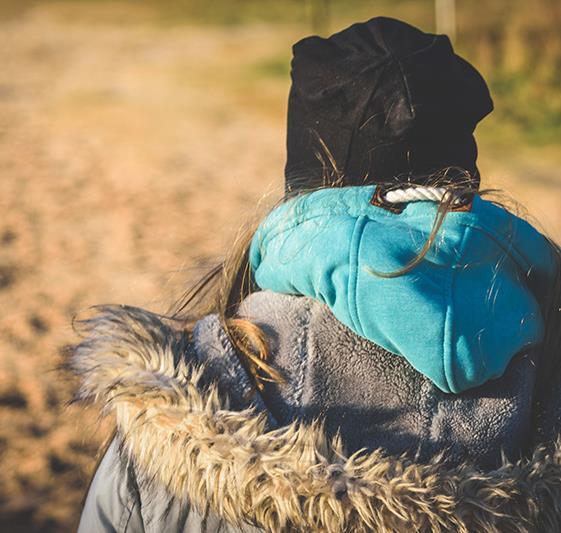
(182, 434)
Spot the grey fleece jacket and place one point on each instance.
(198, 450)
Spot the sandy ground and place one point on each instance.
(129, 154)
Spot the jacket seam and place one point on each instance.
(449, 365)
(126, 525)
(126, 517)
(304, 360)
(133, 493)
(354, 254)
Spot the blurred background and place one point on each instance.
(136, 136)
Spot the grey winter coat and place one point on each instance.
(354, 440)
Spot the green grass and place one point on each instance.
(515, 44)
(274, 67)
(322, 16)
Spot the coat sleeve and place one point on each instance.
(113, 501)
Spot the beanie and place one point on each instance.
(381, 102)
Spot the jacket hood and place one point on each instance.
(459, 317)
(180, 430)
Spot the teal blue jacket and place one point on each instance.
(459, 317)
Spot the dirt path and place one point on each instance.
(128, 156)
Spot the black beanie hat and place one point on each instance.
(382, 102)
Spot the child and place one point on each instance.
(380, 355)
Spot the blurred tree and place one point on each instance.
(445, 12)
(320, 12)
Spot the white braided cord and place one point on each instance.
(416, 194)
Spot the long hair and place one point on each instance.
(220, 291)
(224, 287)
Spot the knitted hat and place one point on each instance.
(381, 101)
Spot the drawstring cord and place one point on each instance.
(417, 194)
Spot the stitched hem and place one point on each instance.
(126, 517)
(448, 345)
(304, 358)
(352, 288)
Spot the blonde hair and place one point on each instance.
(223, 289)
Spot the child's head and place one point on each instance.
(381, 102)
(378, 103)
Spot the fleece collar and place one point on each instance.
(459, 317)
(181, 433)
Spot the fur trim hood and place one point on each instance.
(179, 430)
